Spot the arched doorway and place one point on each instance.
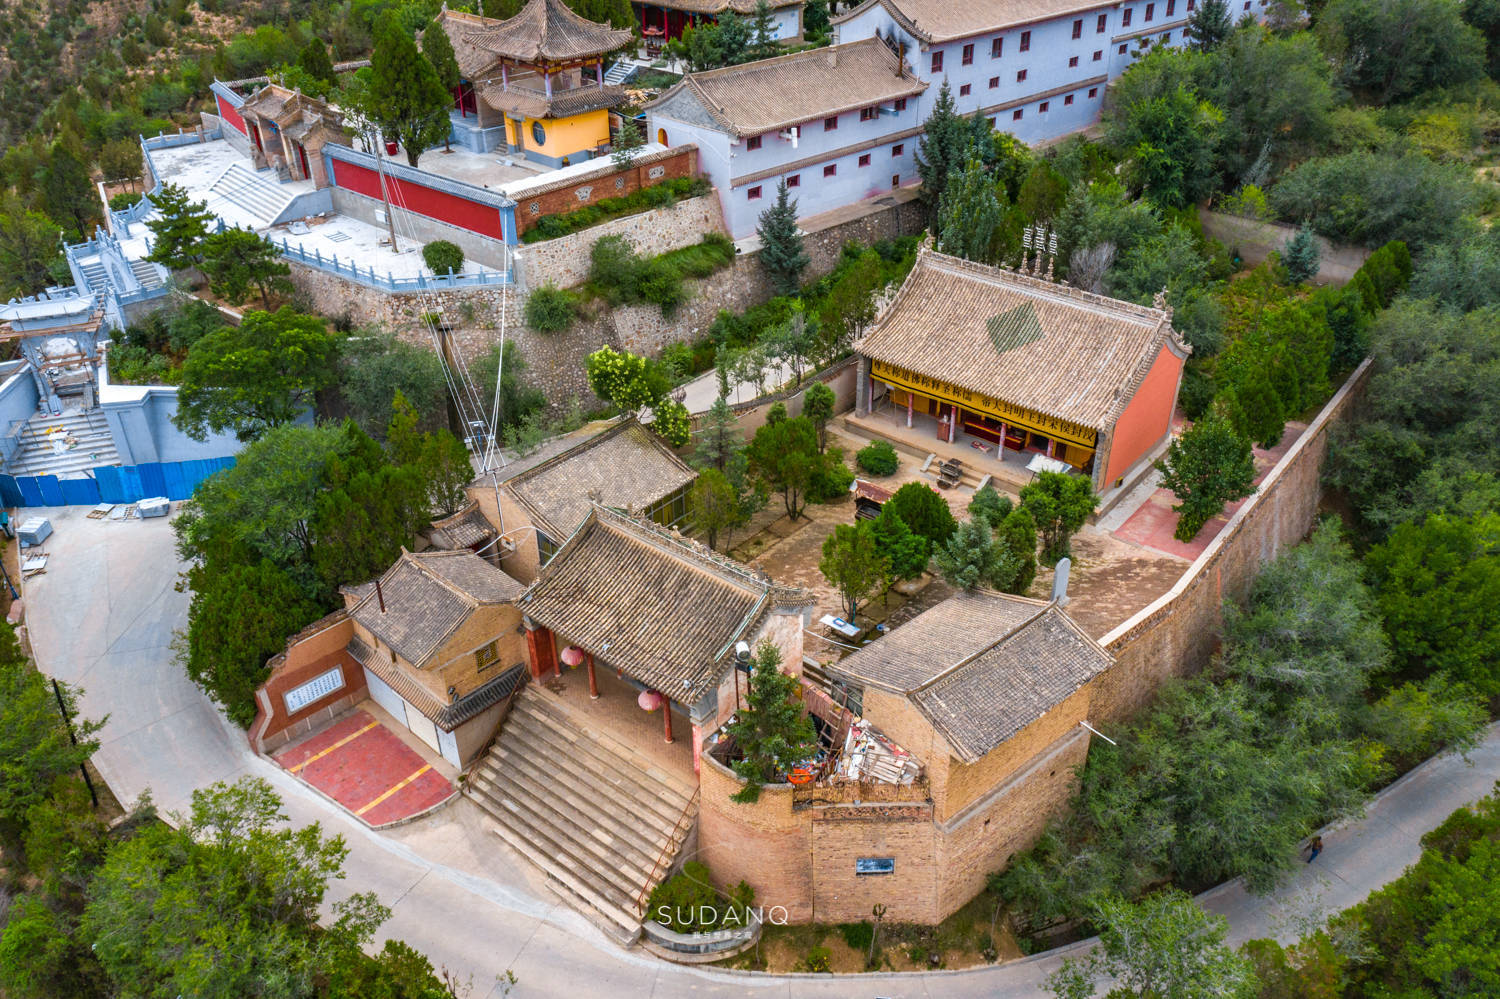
(661, 136)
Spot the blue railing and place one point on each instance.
(351, 271)
(165, 141)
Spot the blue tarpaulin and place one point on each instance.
(111, 484)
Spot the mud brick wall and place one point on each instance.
(1178, 633)
(766, 844)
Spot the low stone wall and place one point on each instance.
(565, 261)
(1177, 633)
(1254, 240)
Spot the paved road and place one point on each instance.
(103, 615)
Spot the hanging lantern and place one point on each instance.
(650, 700)
(572, 657)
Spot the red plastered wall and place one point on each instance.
(434, 204)
(230, 116)
(1148, 416)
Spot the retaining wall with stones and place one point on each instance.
(564, 261)
(1177, 633)
(1254, 240)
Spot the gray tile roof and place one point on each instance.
(627, 467)
(427, 596)
(548, 31)
(771, 94)
(1065, 353)
(1016, 659)
(467, 528)
(663, 609)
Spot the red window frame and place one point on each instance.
(967, 58)
(1025, 41)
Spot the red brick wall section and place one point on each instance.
(231, 116)
(530, 208)
(312, 652)
(434, 204)
(1148, 417)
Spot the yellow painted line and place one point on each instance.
(394, 790)
(342, 742)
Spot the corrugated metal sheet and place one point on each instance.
(111, 484)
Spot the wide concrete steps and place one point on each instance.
(95, 275)
(93, 445)
(599, 819)
(147, 273)
(247, 197)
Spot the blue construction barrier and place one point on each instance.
(111, 484)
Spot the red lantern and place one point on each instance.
(572, 657)
(650, 700)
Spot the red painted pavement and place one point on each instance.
(363, 766)
(1152, 525)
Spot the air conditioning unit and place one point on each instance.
(791, 135)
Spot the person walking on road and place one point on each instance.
(1314, 848)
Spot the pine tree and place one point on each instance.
(315, 62)
(782, 253)
(438, 50)
(1300, 256)
(628, 141)
(969, 213)
(1208, 466)
(815, 19)
(178, 229)
(410, 104)
(772, 731)
(1209, 25)
(67, 192)
(941, 152)
(763, 44)
(972, 557)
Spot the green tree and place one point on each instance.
(519, 400)
(850, 304)
(375, 365)
(784, 456)
(1209, 25)
(1374, 197)
(67, 192)
(501, 10)
(772, 732)
(439, 458)
(924, 511)
(906, 553)
(239, 263)
(1278, 100)
(781, 252)
(972, 557)
(763, 44)
(853, 564)
(1462, 274)
(713, 506)
(969, 213)
(1018, 533)
(1392, 51)
(178, 229)
(33, 739)
(793, 342)
(942, 150)
(1060, 503)
(1208, 466)
(228, 904)
(671, 421)
(29, 247)
(120, 159)
(240, 617)
(627, 381)
(1172, 139)
(255, 376)
(1162, 947)
(437, 49)
(1439, 587)
(817, 405)
(1300, 256)
(815, 22)
(627, 144)
(410, 104)
(989, 507)
(315, 62)
(720, 443)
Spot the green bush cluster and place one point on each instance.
(442, 257)
(551, 309)
(662, 195)
(878, 458)
(622, 277)
(688, 902)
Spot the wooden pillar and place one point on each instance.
(1000, 447)
(599, 73)
(1051, 447)
(666, 708)
(908, 409)
(547, 82)
(588, 657)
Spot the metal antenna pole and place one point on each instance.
(390, 216)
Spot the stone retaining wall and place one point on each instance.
(564, 261)
(1254, 240)
(1177, 633)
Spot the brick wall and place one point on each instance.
(842, 834)
(310, 653)
(1176, 634)
(534, 204)
(765, 844)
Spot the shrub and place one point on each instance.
(878, 458)
(817, 960)
(690, 893)
(831, 481)
(123, 200)
(551, 309)
(442, 256)
(858, 936)
(606, 209)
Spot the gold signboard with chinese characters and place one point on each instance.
(1019, 416)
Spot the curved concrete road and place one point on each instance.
(103, 615)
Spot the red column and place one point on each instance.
(588, 657)
(540, 652)
(666, 707)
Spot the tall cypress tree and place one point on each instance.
(969, 213)
(763, 44)
(316, 63)
(782, 253)
(411, 105)
(1209, 25)
(438, 50)
(941, 152)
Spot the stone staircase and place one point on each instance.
(621, 73)
(244, 196)
(95, 275)
(603, 822)
(147, 273)
(36, 456)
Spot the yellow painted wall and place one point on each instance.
(566, 136)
